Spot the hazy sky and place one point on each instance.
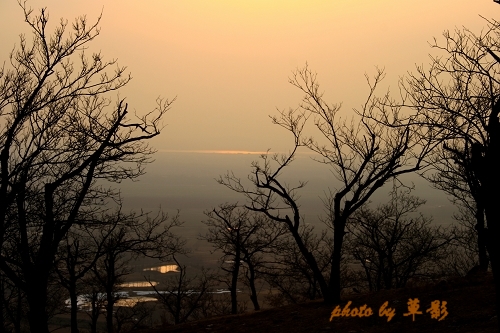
(228, 61)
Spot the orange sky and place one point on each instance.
(228, 61)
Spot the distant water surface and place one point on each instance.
(186, 181)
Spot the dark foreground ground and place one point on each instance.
(470, 304)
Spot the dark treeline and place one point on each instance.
(64, 235)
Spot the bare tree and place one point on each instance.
(133, 235)
(185, 297)
(394, 244)
(289, 276)
(364, 152)
(78, 255)
(243, 238)
(95, 299)
(130, 318)
(459, 94)
(453, 173)
(13, 305)
(59, 134)
(463, 253)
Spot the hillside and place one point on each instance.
(470, 306)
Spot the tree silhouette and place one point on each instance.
(364, 152)
(243, 238)
(185, 296)
(289, 275)
(393, 244)
(132, 235)
(59, 134)
(459, 95)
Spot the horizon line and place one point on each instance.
(226, 152)
(207, 151)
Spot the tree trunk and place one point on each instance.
(481, 237)
(333, 293)
(489, 189)
(310, 260)
(109, 311)
(338, 239)
(253, 290)
(2, 306)
(36, 294)
(493, 237)
(19, 311)
(95, 311)
(74, 307)
(110, 281)
(234, 282)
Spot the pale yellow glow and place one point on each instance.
(229, 152)
(164, 269)
(138, 284)
(228, 60)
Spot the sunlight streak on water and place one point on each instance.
(125, 298)
(132, 301)
(138, 284)
(164, 269)
(83, 301)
